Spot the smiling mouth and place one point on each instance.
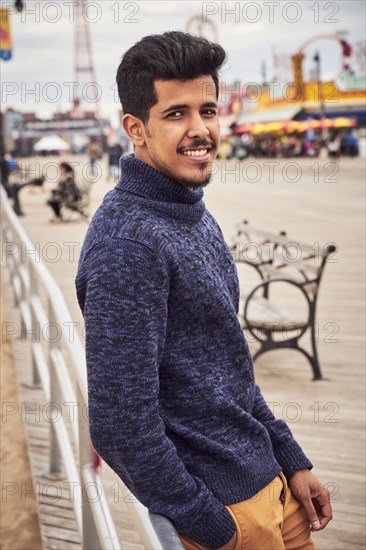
(195, 152)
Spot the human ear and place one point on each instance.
(133, 127)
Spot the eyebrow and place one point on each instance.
(185, 106)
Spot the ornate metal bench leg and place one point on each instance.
(258, 353)
(315, 366)
(315, 361)
(316, 369)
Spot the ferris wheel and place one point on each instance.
(207, 29)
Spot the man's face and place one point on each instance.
(182, 134)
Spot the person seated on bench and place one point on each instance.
(66, 193)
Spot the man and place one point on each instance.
(173, 405)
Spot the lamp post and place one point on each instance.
(320, 87)
(320, 93)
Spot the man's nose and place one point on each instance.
(197, 128)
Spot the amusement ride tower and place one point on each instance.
(86, 87)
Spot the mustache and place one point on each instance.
(197, 143)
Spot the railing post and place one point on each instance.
(7, 234)
(34, 293)
(55, 471)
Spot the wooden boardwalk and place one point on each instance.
(328, 416)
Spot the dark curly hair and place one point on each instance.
(67, 167)
(169, 56)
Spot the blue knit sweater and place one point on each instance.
(173, 404)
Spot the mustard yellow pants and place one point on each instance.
(273, 519)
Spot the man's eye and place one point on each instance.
(210, 112)
(175, 114)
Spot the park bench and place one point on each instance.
(281, 263)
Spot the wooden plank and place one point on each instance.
(59, 533)
(57, 511)
(60, 523)
(57, 544)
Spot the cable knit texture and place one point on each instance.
(173, 404)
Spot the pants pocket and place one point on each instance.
(191, 545)
(238, 544)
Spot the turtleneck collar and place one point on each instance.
(164, 194)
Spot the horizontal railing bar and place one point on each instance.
(166, 532)
(25, 314)
(77, 356)
(24, 277)
(39, 311)
(65, 388)
(71, 469)
(140, 515)
(104, 524)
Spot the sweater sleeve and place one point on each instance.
(287, 451)
(123, 290)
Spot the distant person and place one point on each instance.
(67, 193)
(334, 146)
(9, 165)
(249, 146)
(115, 151)
(5, 172)
(344, 144)
(352, 145)
(94, 152)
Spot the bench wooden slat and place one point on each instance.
(262, 314)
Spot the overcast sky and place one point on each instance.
(43, 36)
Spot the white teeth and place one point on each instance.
(195, 153)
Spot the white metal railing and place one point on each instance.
(60, 368)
